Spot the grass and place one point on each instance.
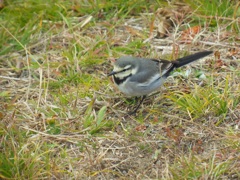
(62, 117)
(218, 100)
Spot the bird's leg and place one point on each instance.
(135, 110)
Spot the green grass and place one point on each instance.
(224, 12)
(194, 167)
(62, 117)
(21, 159)
(204, 101)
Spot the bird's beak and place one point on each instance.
(111, 73)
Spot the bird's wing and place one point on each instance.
(152, 72)
(165, 67)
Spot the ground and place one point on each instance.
(63, 118)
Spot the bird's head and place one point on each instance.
(124, 67)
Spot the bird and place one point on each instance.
(139, 77)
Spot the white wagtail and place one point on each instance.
(136, 76)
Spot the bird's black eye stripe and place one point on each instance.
(125, 69)
(122, 70)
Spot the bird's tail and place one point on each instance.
(185, 60)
